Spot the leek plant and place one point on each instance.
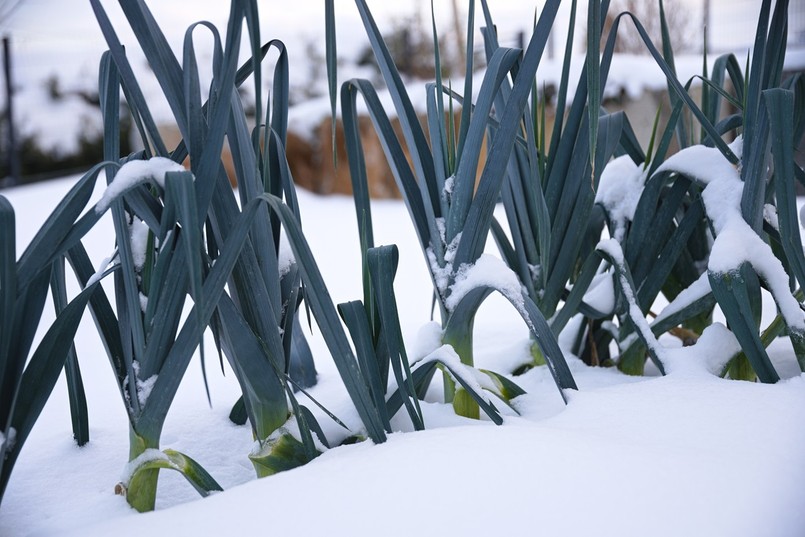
(197, 241)
(27, 375)
(200, 236)
(762, 208)
(549, 192)
(714, 193)
(451, 217)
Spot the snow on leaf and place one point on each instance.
(428, 339)
(134, 173)
(770, 216)
(144, 388)
(613, 248)
(488, 271)
(101, 269)
(147, 456)
(285, 257)
(735, 243)
(695, 291)
(442, 273)
(139, 242)
(619, 190)
(476, 380)
(7, 443)
(702, 163)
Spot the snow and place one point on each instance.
(613, 248)
(428, 339)
(713, 350)
(619, 190)
(476, 380)
(735, 243)
(139, 243)
(770, 216)
(149, 455)
(144, 388)
(698, 289)
(6, 443)
(285, 257)
(443, 272)
(601, 293)
(102, 266)
(689, 453)
(487, 271)
(134, 173)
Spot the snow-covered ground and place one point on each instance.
(685, 454)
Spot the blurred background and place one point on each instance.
(51, 125)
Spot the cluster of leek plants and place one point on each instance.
(697, 205)
(451, 217)
(762, 206)
(549, 191)
(198, 241)
(200, 236)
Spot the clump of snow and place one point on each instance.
(714, 349)
(488, 271)
(134, 173)
(449, 184)
(442, 273)
(619, 191)
(770, 216)
(144, 388)
(735, 243)
(139, 242)
(143, 302)
(428, 339)
(701, 163)
(601, 293)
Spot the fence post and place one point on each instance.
(13, 154)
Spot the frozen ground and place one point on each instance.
(686, 454)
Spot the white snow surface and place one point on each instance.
(689, 453)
